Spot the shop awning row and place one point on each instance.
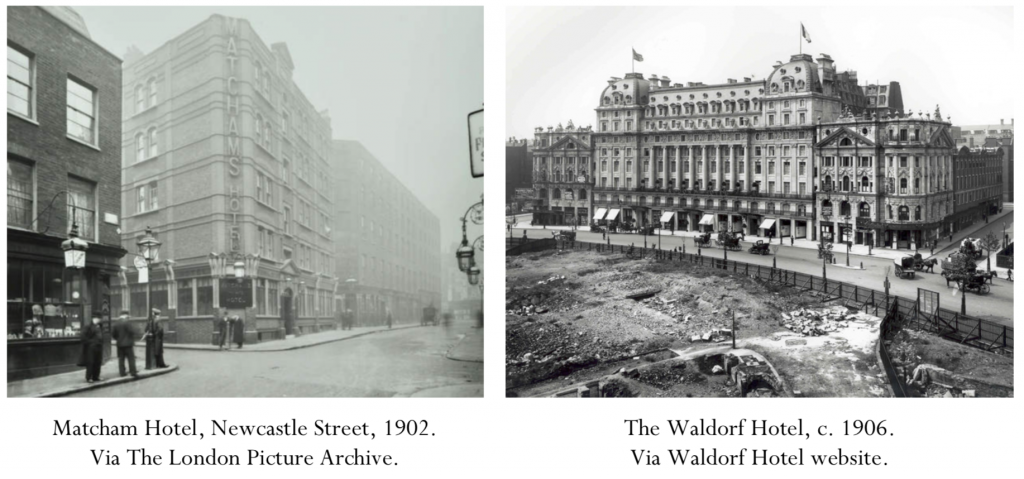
(667, 216)
(612, 214)
(707, 220)
(767, 224)
(600, 213)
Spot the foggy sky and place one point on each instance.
(558, 59)
(416, 74)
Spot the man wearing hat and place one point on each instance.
(92, 349)
(125, 337)
(154, 341)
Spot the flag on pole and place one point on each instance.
(638, 57)
(803, 32)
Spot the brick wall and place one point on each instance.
(60, 51)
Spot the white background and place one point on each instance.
(498, 437)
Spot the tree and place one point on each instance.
(990, 243)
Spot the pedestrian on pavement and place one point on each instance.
(92, 349)
(154, 341)
(221, 326)
(389, 318)
(347, 319)
(238, 331)
(124, 337)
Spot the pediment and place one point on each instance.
(837, 136)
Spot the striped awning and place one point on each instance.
(767, 224)
(612, 214)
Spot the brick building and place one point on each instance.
(63, 170)
(978, 183)
(227, 160)
(563, 159)
(387, 243)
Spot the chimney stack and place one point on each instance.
(731, 80)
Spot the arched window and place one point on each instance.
(152, 142)
(917, 213)
(140, 99)
(556, 194)
(259, 129)
(864, 210)
(753, 206)
(844, 142)
(865, 184)
(846, 183)
(268, 135)
(844, 208)
(904, 213)
(152, 92)
(140, 147)
(827, 183)
(903, 186)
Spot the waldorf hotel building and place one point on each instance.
(227, 161)
(803, 153)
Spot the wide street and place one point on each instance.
(996, 306)
(392, 363)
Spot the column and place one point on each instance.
(650, 167)
(704, 172)
(720, 160)
(693, 165)
(665, 175)
(679, 166)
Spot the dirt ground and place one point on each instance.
(568, 312)
(570, 318)
(988, 374)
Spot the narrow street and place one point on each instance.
(996, 306)
(386, 364)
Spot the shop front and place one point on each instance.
(767, 228)
(706, 223)
(667, 220)
(48, 304)
(826, 231)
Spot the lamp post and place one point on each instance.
(466, 252)
(74, 258)
(149, 249)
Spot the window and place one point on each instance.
(185, 300)
(146, 196)
(287, 220)
(82, 207)
(140, 99)
(20, 94)
(152, 143)
(20, 194)
(903, 162)
(204, 297)
(152, 92)
(140, 147)
(81, 112)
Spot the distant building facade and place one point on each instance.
(63, 172)
(227, 160)
(562, 175)
(884, 98)
(518, 172)
(973, 136)
(388, 243)
(978, 183)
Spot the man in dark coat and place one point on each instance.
(125, 337)
(220, 325)
(154, 341)
(389, 318)
(238, 331)
(92, 349)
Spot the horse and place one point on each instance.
(929, 265)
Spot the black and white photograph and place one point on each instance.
(800, 202)
(245, 201)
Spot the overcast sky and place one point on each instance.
(560, 58)
(418, 73)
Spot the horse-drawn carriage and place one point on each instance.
(703, 240)
(565, 235)
(971, 279)
(904, 267)
(920, 264)
(761, 248)
(647, 230)
(729, 240)
(972, 248)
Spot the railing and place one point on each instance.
(964, 329)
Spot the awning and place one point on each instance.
(667, 216)
(612, 214)
(600, 213)
(707, 220)
(767, 224)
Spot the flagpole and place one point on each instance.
(632, 55)
(801, 40)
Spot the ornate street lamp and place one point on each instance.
(74, 249)
(474, 275)
(239, 270)
(149, 249)
(464, 254)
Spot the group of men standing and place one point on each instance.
(124, 337)
(229, 325)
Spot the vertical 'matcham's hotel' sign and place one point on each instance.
(233, 142)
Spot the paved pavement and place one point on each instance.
(56, 385)
(402, 362)
(288, 344)
(469, 348)
(996, 306)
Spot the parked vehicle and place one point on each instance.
(760, 247)
(904, 267)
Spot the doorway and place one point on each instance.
(287, 312)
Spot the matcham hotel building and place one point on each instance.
(805, 152)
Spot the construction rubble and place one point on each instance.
(809, 322)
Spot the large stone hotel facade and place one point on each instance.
(802, 153)
(228, 161)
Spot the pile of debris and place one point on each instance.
(810, 322)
